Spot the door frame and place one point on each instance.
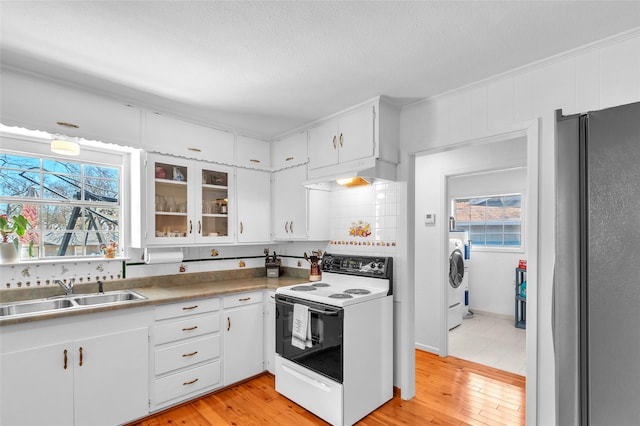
(531, 131)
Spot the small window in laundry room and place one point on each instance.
(493, 222)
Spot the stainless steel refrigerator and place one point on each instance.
(596, 290)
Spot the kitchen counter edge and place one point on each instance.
(158, 295)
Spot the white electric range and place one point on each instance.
(345, 369)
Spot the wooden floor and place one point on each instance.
(449, 391)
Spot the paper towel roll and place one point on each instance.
(153, 257)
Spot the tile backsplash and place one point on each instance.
(43, 274)
(365, 220)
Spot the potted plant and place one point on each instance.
(9, 246)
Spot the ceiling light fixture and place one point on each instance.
(353, 181)
(64, 147)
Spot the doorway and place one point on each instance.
(488, 211)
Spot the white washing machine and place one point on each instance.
(457, 279)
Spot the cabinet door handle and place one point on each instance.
(190, 328)
(244, 299)
(340, 140)
(241, 227)
(291, 227)
(191, 354)
(335, 145)
(187, 308)
(80, 356)
(228, 323)
(199, 227)
(288, 159)
(190, 383)
(190, 226)
(286, 227)
(65, 359)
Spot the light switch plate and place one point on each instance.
(430, 218)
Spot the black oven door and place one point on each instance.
(325, 356)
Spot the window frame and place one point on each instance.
(503, 249)
(35, 144)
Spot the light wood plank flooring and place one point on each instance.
(449, 391)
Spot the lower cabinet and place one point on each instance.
(243, 336)
(186, 349)
(101, 380)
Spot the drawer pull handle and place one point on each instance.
(244, 299)
(80, 356)
(191, 354)
(253, 160)
(186, 308)
(190, 328)
(190, 383)
(65, 359)
(288, 159)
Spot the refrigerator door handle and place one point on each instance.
(553, 310)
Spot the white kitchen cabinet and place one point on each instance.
(253, 153)
(57, 373)
(167, 135)
(243, 336)
(349, 137)
(185, 351)
(290, 204)
(36, 387)
(188, 201)
(270, 331)
(254, 201)
(290, 151)
(37, 104)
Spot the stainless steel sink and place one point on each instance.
(110, 297)
(38, 306)
(76, 301)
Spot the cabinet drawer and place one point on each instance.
(240, 299)
(186, 382)
(187, 354)
(190, 307)
(183, 329)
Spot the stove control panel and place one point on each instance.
(368, 266)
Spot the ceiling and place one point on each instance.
(268, 67)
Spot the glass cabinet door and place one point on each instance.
(214, 204)
(171, 212)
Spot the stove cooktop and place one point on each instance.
(338, 290)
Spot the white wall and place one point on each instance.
(430, 240)
(491, 271)
(601, 75)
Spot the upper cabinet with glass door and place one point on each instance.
(189, 201)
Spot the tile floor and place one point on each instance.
(490, 340)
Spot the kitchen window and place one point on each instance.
(73, 204)
(492, 222)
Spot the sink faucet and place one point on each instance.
(68, 288)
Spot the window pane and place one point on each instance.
(64, 244)
(104, 190)
(62, 167)
(60, 218)
(491, 221)
(14, 183)
(61, 187)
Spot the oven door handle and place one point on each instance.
(317, 311)
(312, 382)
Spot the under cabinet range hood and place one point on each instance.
(369, 170)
